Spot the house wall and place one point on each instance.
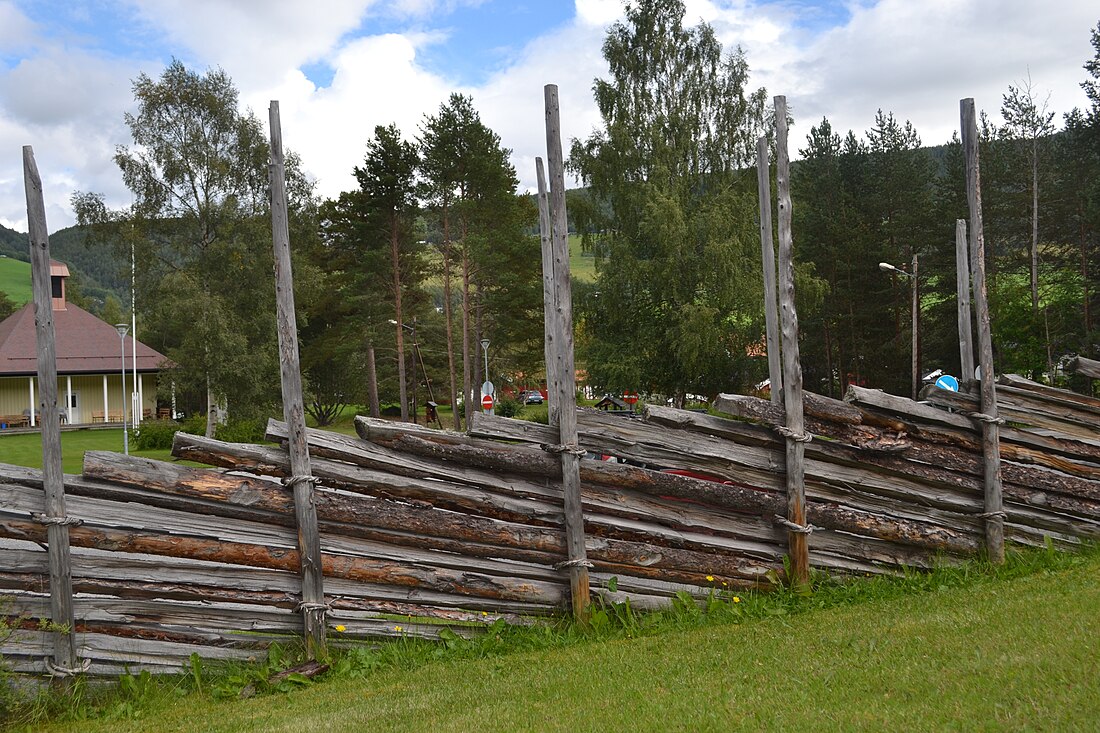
(15, 396)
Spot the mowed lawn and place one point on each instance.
(1020, 654)
(25, 449)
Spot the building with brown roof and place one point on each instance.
(89, 366)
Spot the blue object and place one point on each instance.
(948, 382)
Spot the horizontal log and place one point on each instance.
(827, 515)
(1087, 367)
(945, 465)
(606, 514)
(412, 525)
(935, 425)
(818, 422)
(1024, 413)
(1064, 397)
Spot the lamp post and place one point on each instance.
(914, 279)
(122, 328)
(488, 386)
(416, 350)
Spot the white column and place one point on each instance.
(30, 381)
(141, 399)
(106, 406)
(69, 399)
(173, 399)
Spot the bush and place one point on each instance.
(242, 431)
(507, 406)
(155, 434)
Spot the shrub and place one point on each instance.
(242, 431)
(155, 434)
(507, 406)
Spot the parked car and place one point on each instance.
(531, 397)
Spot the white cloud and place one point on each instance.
(915, 59)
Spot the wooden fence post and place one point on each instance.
(53, 479)
(548, 306)
(767, 250)
(994, 514)
(301, 479)
(795, 432)
(561, 339)
(962, 283)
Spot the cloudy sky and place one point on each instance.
(339, 67)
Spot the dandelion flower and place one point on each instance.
(736, 599)
(710, 578)
(341, 628)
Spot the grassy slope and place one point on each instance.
(15, 280)
(996, 655)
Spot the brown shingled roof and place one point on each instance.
(85, 344)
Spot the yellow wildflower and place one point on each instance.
(484, 613)
(710, 578)
(397, 628)
(736, 599)
(341, 628)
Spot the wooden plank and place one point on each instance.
(767, 251)
(792, 367)
(563, 371)
(994, 513)
(309, 543)
(61, 592)
(962, 288)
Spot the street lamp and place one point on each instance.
(913, 278)
(488, 386)
(122, 328)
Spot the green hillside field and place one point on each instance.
(15, 280)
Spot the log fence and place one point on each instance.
(409, 531)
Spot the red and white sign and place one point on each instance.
(630, 397)
(487, 402)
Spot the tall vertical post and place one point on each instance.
(767, 251)
(994, 514)
(798, 529)
(565, 388)
(916, 329)
(548, 306)
(301, 480)
(53, 480)
(962, 286)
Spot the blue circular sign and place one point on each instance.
(948, 382)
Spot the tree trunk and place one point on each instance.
(395, 263)
(372, 382)
(467, 372)
(449, 318)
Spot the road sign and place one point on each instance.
(487, 402)
(630, 397)
(487, 387)
(948, 382)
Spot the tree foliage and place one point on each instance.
(674, 306)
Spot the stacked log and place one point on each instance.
(419, 526)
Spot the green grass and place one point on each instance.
(1016, 648)
(15, 280)
(25, 449)
(581, 266)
